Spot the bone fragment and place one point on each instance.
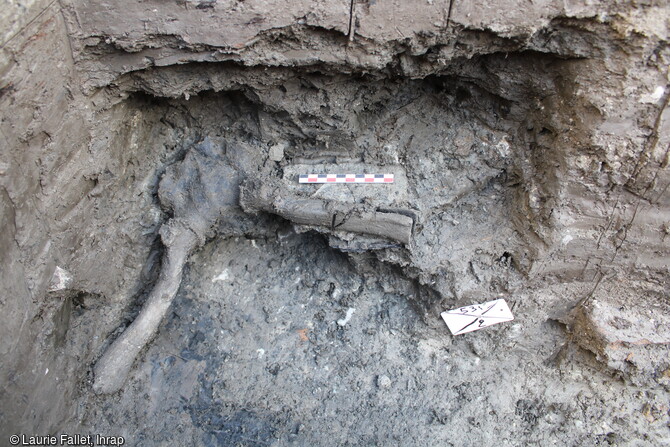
(200, 190)
(113, 367)
(336, 216)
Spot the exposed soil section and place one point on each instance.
(530, 144)
(280, 341)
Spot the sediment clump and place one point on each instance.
(530, 145)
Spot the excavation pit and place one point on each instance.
(158, 160)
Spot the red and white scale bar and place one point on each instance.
(346, 178)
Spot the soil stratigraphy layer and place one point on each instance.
(530, 144)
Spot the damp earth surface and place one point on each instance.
(156, 147)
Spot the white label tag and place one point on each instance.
(477, 316)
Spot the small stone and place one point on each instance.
(463, 142)
(60, 280)
(277, 152)
(515, 331)
(646, 412)
(343, 322)
(383, 382)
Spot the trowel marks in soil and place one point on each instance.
(163, 141)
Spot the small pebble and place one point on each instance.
(383, 382)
